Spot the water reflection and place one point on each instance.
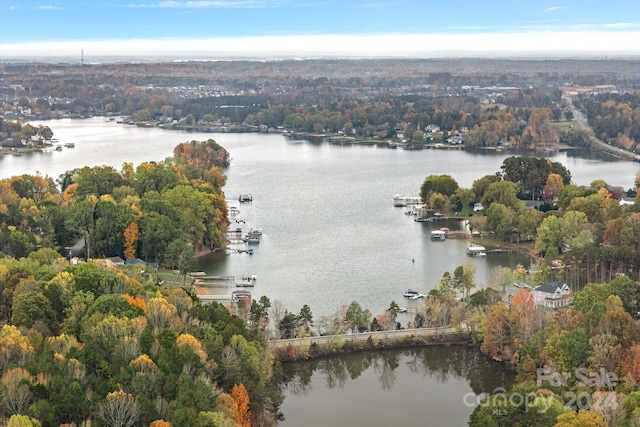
(438, 364)
(397, 387)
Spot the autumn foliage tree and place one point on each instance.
(241, 399)
(130, 239)
(496, 331)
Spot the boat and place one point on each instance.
(416, 296)
(402, 201)
(252, 239)
(250, 251)
(423, 219)
(256, 231)
(70, 145)
(233, 210)
(476, 251)
(245, 284)
(241, 295)
(245, 198)
(58, 148)
(438, 235)
(410, 293)
(402, 310)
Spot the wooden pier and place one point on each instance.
(214, 281)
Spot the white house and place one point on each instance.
(627, 201)
(455, 140)
(553, 295)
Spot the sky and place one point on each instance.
(318, 28)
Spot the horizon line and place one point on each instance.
(428, 45)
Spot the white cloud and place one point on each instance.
(549, 43)
(553, 8)
(40, 7)
(610, 26)
(210, 4)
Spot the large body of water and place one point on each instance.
(331, 236)
(331, 233)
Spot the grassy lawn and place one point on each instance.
(563, 125)
(169, 278)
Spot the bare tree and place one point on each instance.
(119, 409)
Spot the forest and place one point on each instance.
(89, 343)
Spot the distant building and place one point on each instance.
(627, 201)
(553, 295)
(113, 261)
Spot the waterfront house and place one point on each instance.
(553, 295)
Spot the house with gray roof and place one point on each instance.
(553, 295)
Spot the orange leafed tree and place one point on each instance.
(160, 423)
(496, 330)
(631, 363)
(241, 399)
(522, 313)
(130, 239)
(137, 301)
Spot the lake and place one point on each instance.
(331, 233)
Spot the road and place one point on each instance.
(596, 143)
(400, 333)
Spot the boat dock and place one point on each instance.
(214, 281)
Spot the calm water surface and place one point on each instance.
(331, 233)
(418, 387)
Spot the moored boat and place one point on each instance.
(475, 250)
(241, 295)
(438, 235)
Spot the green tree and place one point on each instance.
(305, 317)
(443, 184)
(31, 307)
(556, 234)
(354, 317)
(503, 192)
(501, 220)
(179, 255)
(462, 198)
(480, 185)
(81, 218)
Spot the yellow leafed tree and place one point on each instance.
(130, 239)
